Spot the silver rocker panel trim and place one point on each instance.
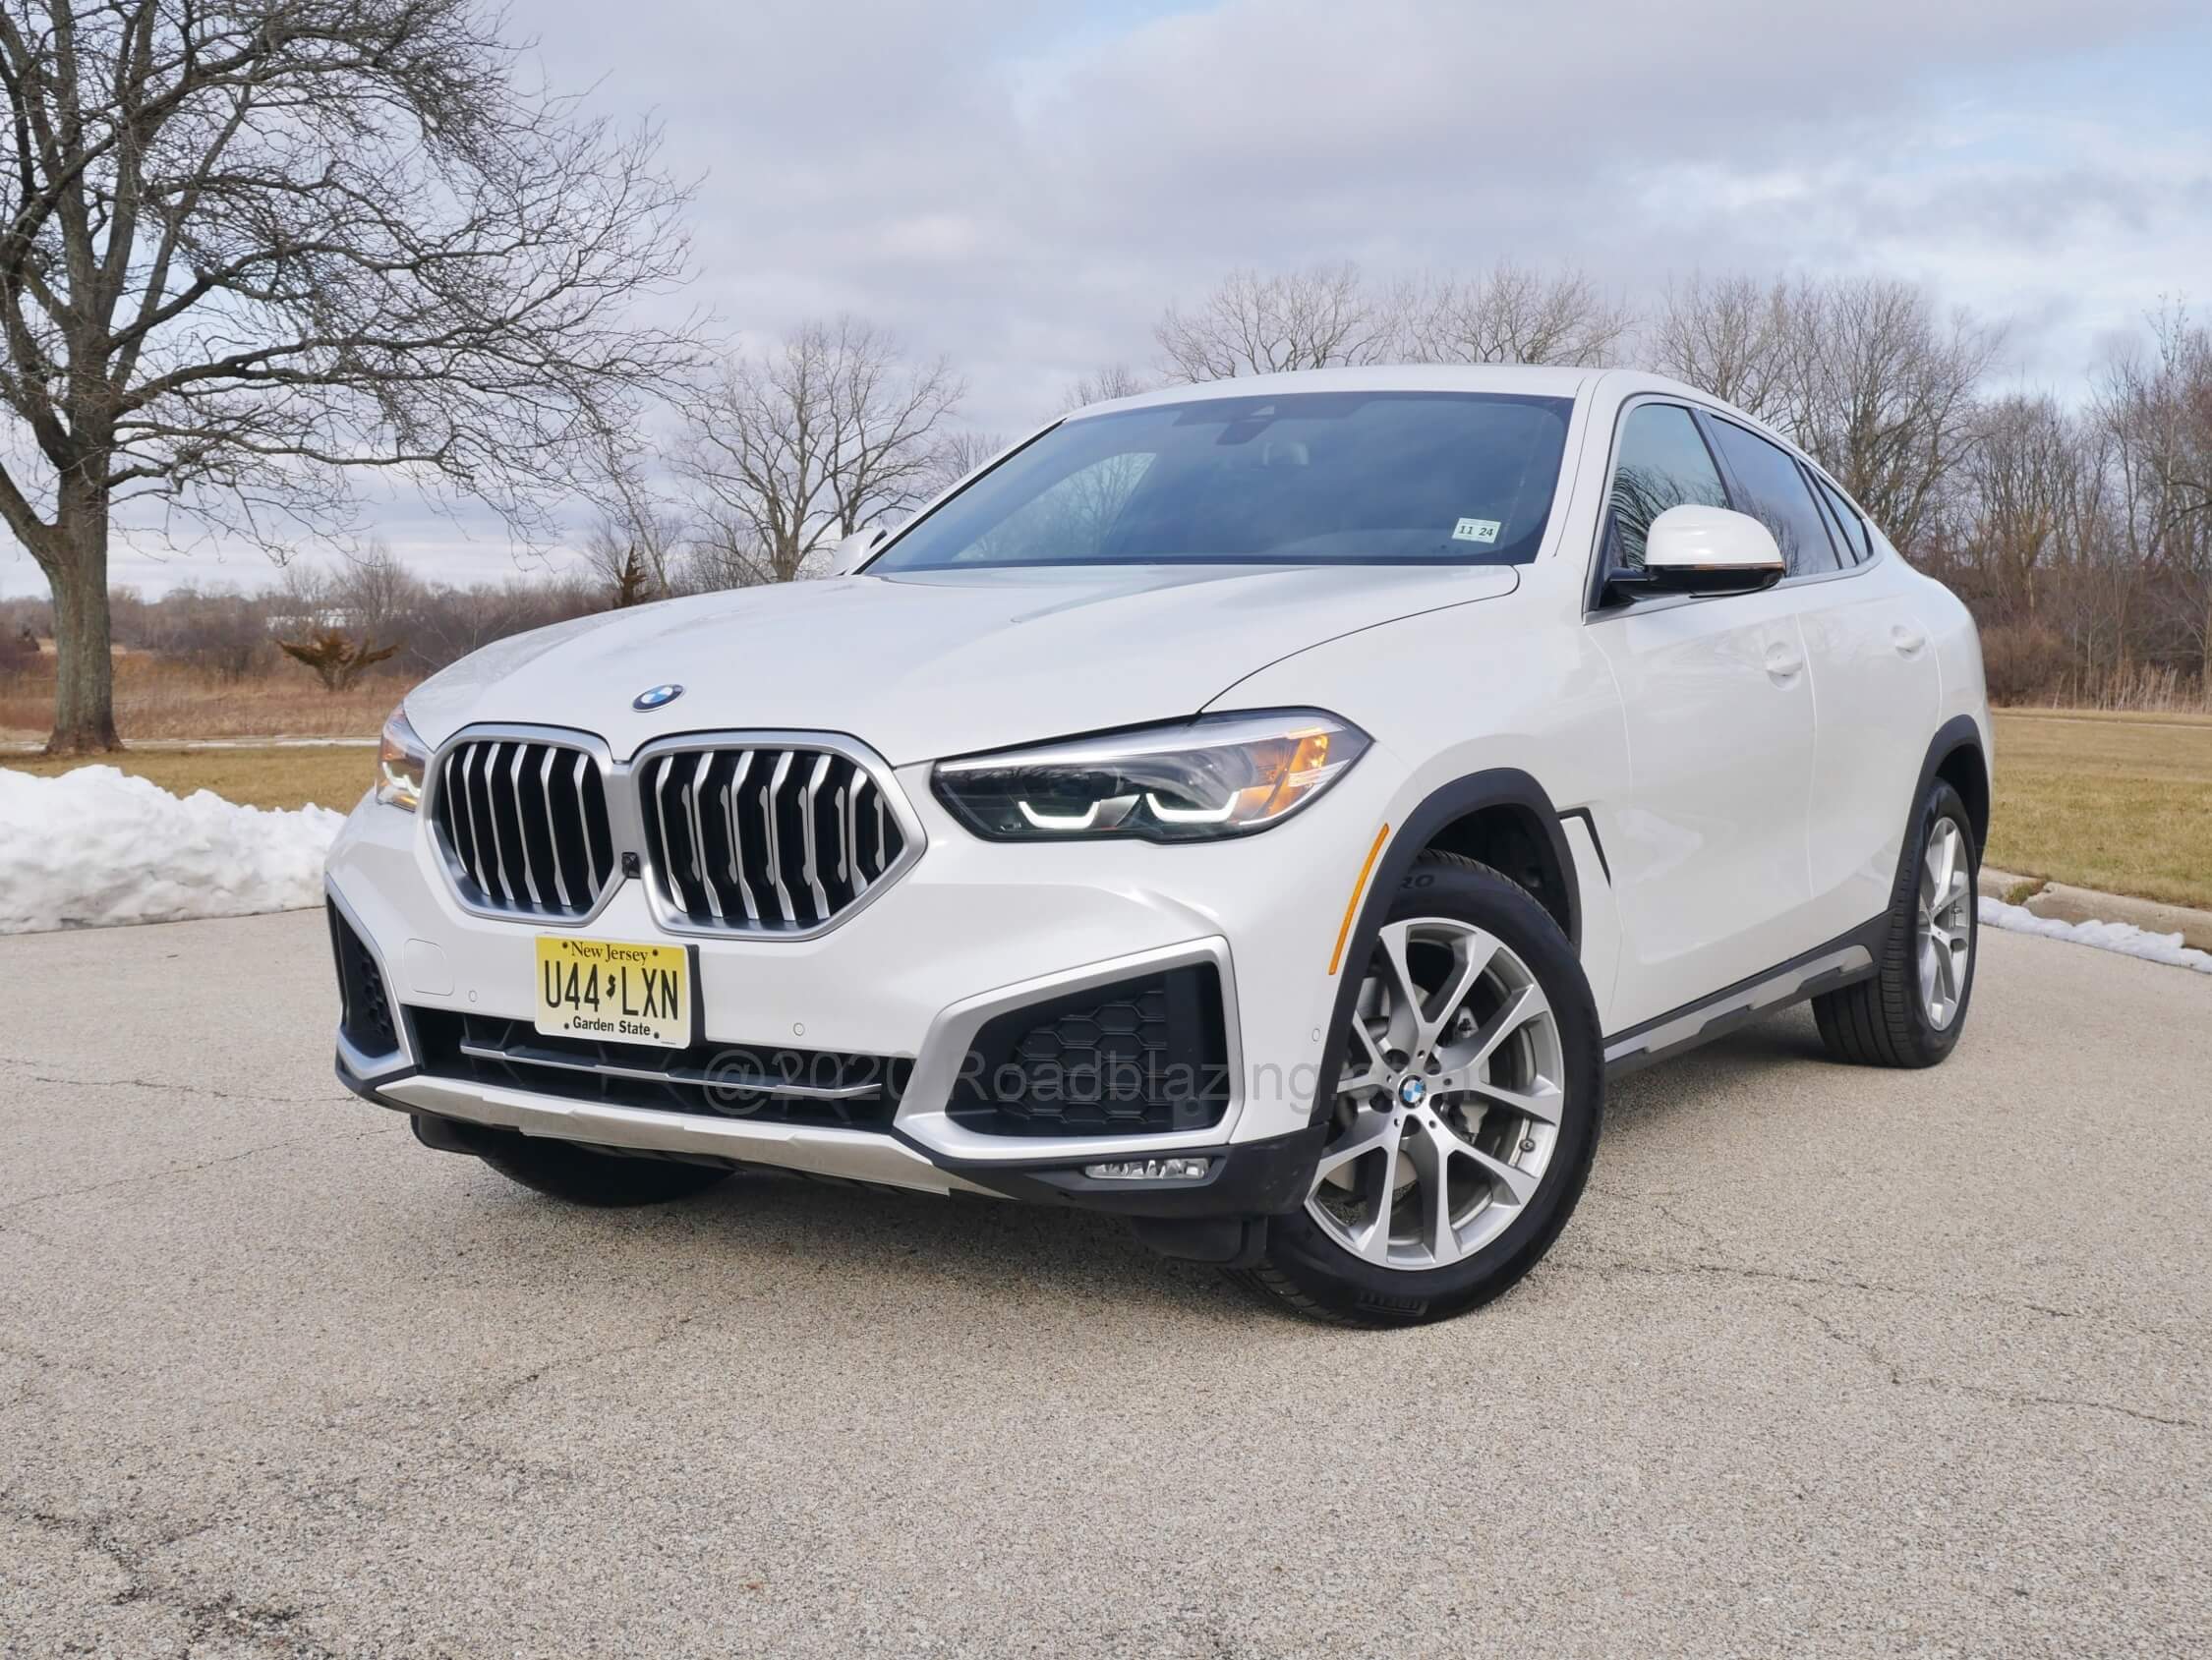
(1782, 986)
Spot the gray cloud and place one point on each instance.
(1025, 194)
(1023, 186)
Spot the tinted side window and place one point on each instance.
(1664, 463)
(1777, 497)
(1848, 521)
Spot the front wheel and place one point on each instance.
(1464, 1122)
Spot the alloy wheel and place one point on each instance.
(1449, 1106)
(1946, 922)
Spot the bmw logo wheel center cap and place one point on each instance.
(657, 696)
(1412, 1092)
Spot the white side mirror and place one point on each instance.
(1692, 549)
(852, 553)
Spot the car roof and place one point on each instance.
(1608, 386)
(1530, 380)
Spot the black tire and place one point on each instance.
(1302, 1267)
(1884, 1021)
(562, 1169)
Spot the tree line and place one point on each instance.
(2077, 527)
(394, 622)
(252, 252)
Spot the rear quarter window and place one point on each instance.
(1848, 524)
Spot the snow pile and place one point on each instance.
(2121, 937)
(94, 847)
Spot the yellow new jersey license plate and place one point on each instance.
(614, 992)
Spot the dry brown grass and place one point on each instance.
(2031, 669)
(324, 775)
(154, 699)
(2117, 802)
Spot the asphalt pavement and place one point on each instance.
(1831, 1360)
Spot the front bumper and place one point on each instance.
(970, 931)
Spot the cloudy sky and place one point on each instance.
(1023, 186)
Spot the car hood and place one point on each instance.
(922, 664)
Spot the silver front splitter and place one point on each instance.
(848, 1154)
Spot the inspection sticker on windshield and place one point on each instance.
(1475, 530)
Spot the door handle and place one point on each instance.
(1783, 663)
(1907, 640)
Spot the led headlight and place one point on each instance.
(1194, 781)
(402, 759)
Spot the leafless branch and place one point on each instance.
(833, 431)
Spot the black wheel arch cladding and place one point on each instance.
(1497, 786)
(1956, 755)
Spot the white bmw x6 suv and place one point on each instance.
(1268, 810)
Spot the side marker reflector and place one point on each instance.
(1352, 909)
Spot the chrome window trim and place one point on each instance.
(880, 774)
(1593, 567)
(923, 1117)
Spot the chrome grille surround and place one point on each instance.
(523, 821)
(842, 829)
(782, 834)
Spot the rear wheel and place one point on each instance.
(562, 1169)
(1463, 1124)
(1910, 1015)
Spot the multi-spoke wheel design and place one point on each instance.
(1460, 1120)
(1910, 1010)
(1449, 1106)
(1945, 933)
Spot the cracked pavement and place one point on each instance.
(1829, 1361)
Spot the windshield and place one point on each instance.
(1305, 477)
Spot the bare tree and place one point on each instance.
(375, 591)
(2016, 484)
(1318, 317)
(1116, 380)
(1513, 313)
(2157, 409)
(349, 619)
(1883, 393)
(218, 630)
(19, 646)
(825, 435)
(249, 247)
(638, 543)
(451, 622)
(1860, 371)
(1731, 336)
(716, 558)
(2100, 594)
(957, 454)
